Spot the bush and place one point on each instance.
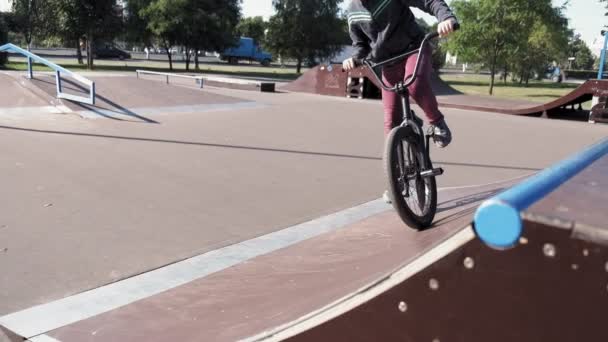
(581, 74)
(439, 56)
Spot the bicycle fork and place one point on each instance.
(409, 115)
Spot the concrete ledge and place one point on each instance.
(237, 83)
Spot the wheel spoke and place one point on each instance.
(413, 195)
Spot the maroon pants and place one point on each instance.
(420, 90)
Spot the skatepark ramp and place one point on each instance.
(359, 83)
(537, 271)
(59, 73)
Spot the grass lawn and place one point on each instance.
(537, 91)
(288, 73)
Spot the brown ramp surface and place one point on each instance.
(273, 289)
(536, 291)
(331, 80)
(14, 93)
(130, 98)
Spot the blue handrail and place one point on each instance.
(58, 71)
(498, 220)
(600, 72)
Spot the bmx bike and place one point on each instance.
(412, 186)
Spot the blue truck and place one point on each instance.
(247, 49)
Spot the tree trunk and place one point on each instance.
(505, 73)
(169, 55)
(170, 60)
(299, 65)
(492, 78)
(493, 71)
(187, 58)
(90, 58)
(196, 66)
(79, 52)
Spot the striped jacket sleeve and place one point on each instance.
(361, 42)
(438, 8)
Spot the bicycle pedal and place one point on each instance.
(431, 173)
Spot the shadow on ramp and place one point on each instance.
(254, 148)
(126, 98)
(103, 104)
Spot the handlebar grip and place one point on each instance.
(434, 35)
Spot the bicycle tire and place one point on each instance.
(400, 139)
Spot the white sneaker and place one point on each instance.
(386, 197)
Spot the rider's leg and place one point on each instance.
(421, 90)
(422, 93)
(393, 111)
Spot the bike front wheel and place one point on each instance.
(414, 197)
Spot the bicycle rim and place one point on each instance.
(413, 197)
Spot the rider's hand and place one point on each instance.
(349, 64)
(445, 28)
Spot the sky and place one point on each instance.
(4, 5)
(586, 17)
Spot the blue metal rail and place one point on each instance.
(600, 73)
(58, 73)
(498, 220)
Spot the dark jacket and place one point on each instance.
(381, 29)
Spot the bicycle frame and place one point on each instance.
(407, 151)
(401, 88)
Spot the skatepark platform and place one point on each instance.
(464, 291)
(331, 80)
(131, 98)
(231, 214)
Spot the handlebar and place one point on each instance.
(408, 82)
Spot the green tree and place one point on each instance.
(163, 22)
(497, 33)
(90, 20)
(70, 25)
(253, 27)
(194, 24)
(136, 25)
(578, 49)
(33, 18)
(485, 33)
(209, 25)
(305, 29)
(541, 40)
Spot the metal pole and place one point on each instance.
(58, 81)
(600, 73)
(30, 72)
(92, 93)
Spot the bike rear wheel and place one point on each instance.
(413, 197)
